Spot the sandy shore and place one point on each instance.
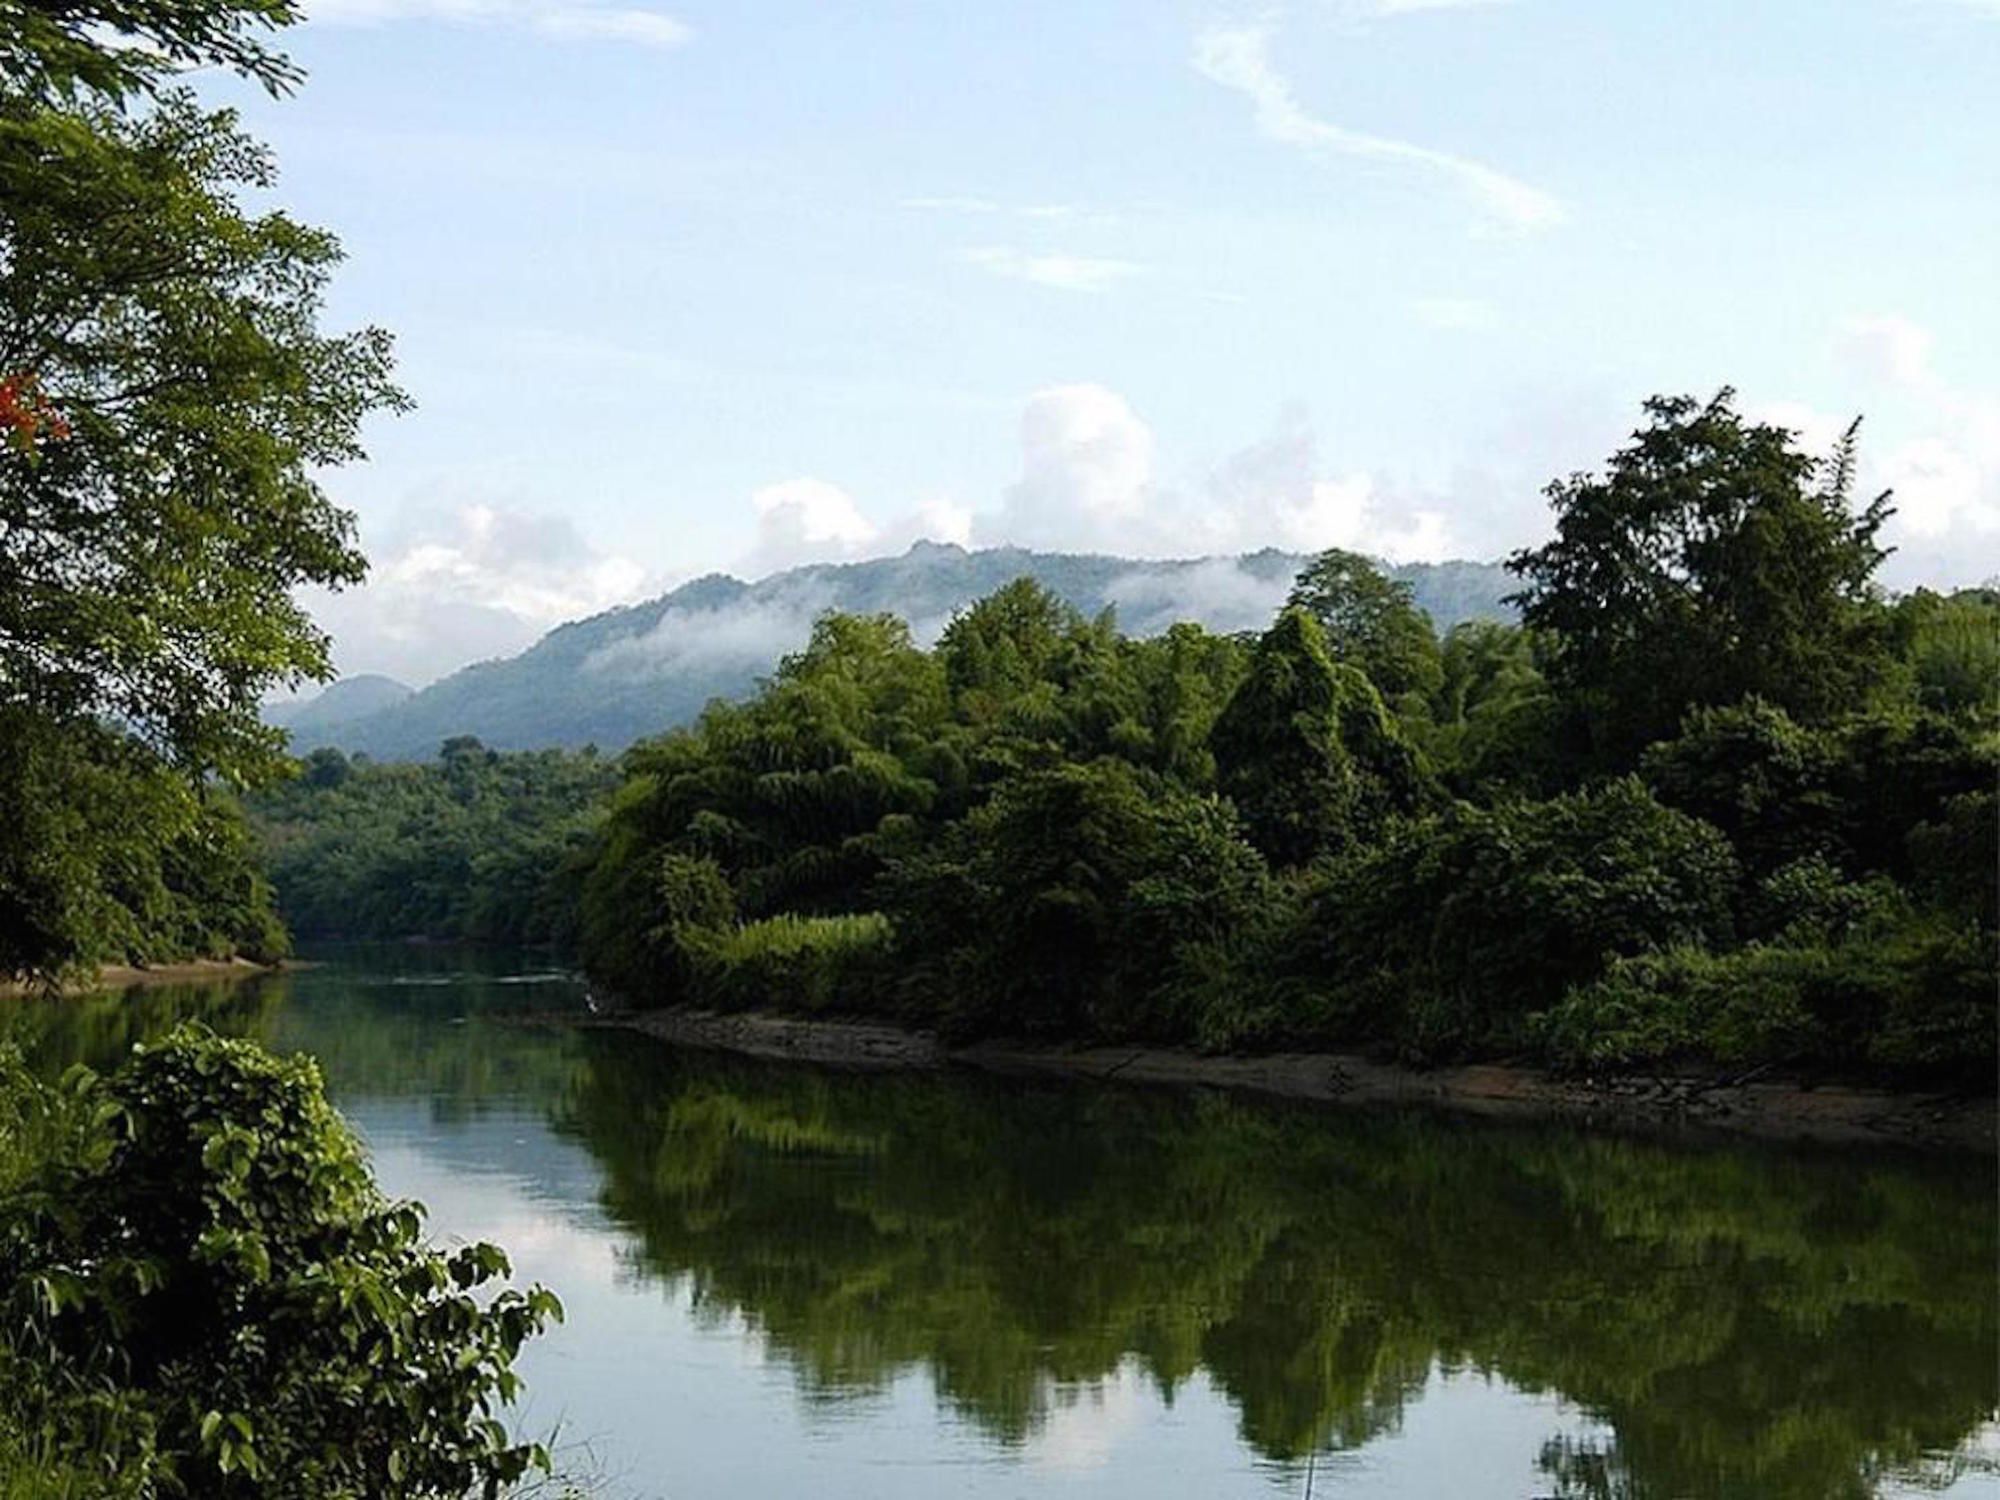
(1766, 1107)
(127, 976)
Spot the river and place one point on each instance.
(789, 1281)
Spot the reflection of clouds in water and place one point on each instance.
(1086, 1423)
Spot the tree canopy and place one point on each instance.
(1712, 560)
(170, 403)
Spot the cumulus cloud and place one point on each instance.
(1068, 273)
(810, 520)
(1086, 466)
(582, 20)
(465, 585)
(1944, 465)
(1238, 58)
(1088, 481)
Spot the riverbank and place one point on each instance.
(132, 976)
(1762, 1106)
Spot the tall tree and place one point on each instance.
(170, 399)
(1306, 750)
(1712, 560)
(1371, 621)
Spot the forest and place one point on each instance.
(1716, 800)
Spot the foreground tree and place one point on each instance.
(170, 402)
(1711, 561)
(206, 1295)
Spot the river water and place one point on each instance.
(789, 1281)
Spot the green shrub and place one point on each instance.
(792, 963)
(1811, 901)
(205, 1295)
(1918, 998)
(1457, 927)
(1057, 908)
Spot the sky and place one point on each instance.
(734, 286)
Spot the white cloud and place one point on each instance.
(1239, 58)
(1887, 347)
(809, 516)
(746, 635)
(1274, 493)
(465, 585)
(581, 20)
(1944, 467)
(1069, 273)
(1218, 591)
(1088, 483)
(1086, 465)
(809, 520)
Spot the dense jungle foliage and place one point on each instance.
(477, 846)
(1716, 800)
(207, 1296)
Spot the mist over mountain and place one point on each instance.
(637, 671)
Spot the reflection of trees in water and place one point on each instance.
(1746, 1321)
(412, 1025)
(98, 1030)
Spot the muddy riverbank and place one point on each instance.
(1759, 1105)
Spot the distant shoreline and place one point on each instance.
(112, 977)
(1738, 1104)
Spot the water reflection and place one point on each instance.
(1046, 1269)
(1745, 1322)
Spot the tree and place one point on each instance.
(58, 49)
(1307, 751)
(1371, 621)
(1056, 908)
(1457, 926)
(170, 403)
(207, 1295)
(1711, 561)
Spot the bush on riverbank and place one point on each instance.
(206, 1295)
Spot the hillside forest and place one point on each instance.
(1715, 799)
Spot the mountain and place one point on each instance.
(631, 672)
(343, 702)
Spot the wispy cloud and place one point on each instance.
(577, 20)
(1239, 58)
(1069, 273)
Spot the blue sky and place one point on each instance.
(731, 286)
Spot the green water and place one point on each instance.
(787, 1281)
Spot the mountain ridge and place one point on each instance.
(640, 669)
